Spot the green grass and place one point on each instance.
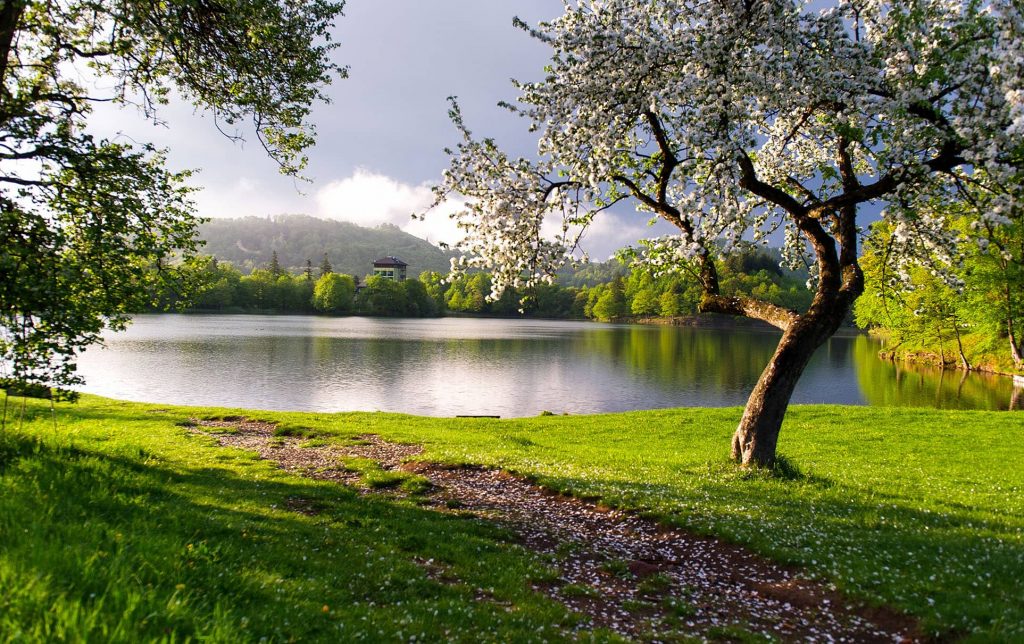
(918, 509)
(122, 526)
(580, 590)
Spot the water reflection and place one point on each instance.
(898, 384)
(469, 366)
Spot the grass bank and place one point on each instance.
(982, 351)
(120, 524)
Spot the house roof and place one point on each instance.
(389, 261)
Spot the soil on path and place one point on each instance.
(620, 571)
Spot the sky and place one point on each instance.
(380, 142)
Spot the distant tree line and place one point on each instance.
(623, 294)
(219, 286)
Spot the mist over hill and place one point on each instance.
(248, 243)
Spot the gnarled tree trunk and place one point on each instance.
(840, 283)
(828, 225)
(758, 432)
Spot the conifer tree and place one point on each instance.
(325, 266)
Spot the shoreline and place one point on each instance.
(698, 321)
(930, 359)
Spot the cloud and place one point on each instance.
(370, 199)
(611, 231)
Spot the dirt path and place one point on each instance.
(622, 572)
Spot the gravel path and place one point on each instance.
(620, 571)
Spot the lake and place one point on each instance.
(470, 366)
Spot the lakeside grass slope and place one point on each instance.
(120, 524)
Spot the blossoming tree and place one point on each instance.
(734, 119)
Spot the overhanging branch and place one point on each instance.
(777, 316)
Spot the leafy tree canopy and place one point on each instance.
(927, 300)
(333, 293)
(84, 219)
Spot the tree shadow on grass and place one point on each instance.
(117, 542)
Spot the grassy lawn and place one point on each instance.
(122, 525)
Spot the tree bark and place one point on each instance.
(756, 437)
(10, 15)
(964, 362)
(1015, 352)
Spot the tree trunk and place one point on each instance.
(10, 16)
(1018, 360)
(964, 362)
(756, 437)
(840, 282)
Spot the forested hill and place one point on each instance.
(248, 243)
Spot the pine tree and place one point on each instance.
(309, 270)
(325, 266)
(275, 266)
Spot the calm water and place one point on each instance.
(451, 366)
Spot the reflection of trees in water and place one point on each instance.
(253, 352)
(837, 352)
(900, 384)
(376, 362)
(666, 358)
(681, 356)
(671, 357)
(395, 356)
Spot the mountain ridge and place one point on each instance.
(249, 243)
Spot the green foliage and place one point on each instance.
(575, 295)
(89, 226)
(275, 266)
(969, 311)
(382, 296)
(592, 273)
(418, 302)
(638, 292)
(435, 286)
(627, 293)
(219, 286)
(325, 266)
(78, 255)
(646, 298)
(611, 304)
(334, 293)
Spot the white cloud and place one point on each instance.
(371, 199)
(612, 231)
(609, 232)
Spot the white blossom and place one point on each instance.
(917, 96)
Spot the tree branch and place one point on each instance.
(777, 316)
